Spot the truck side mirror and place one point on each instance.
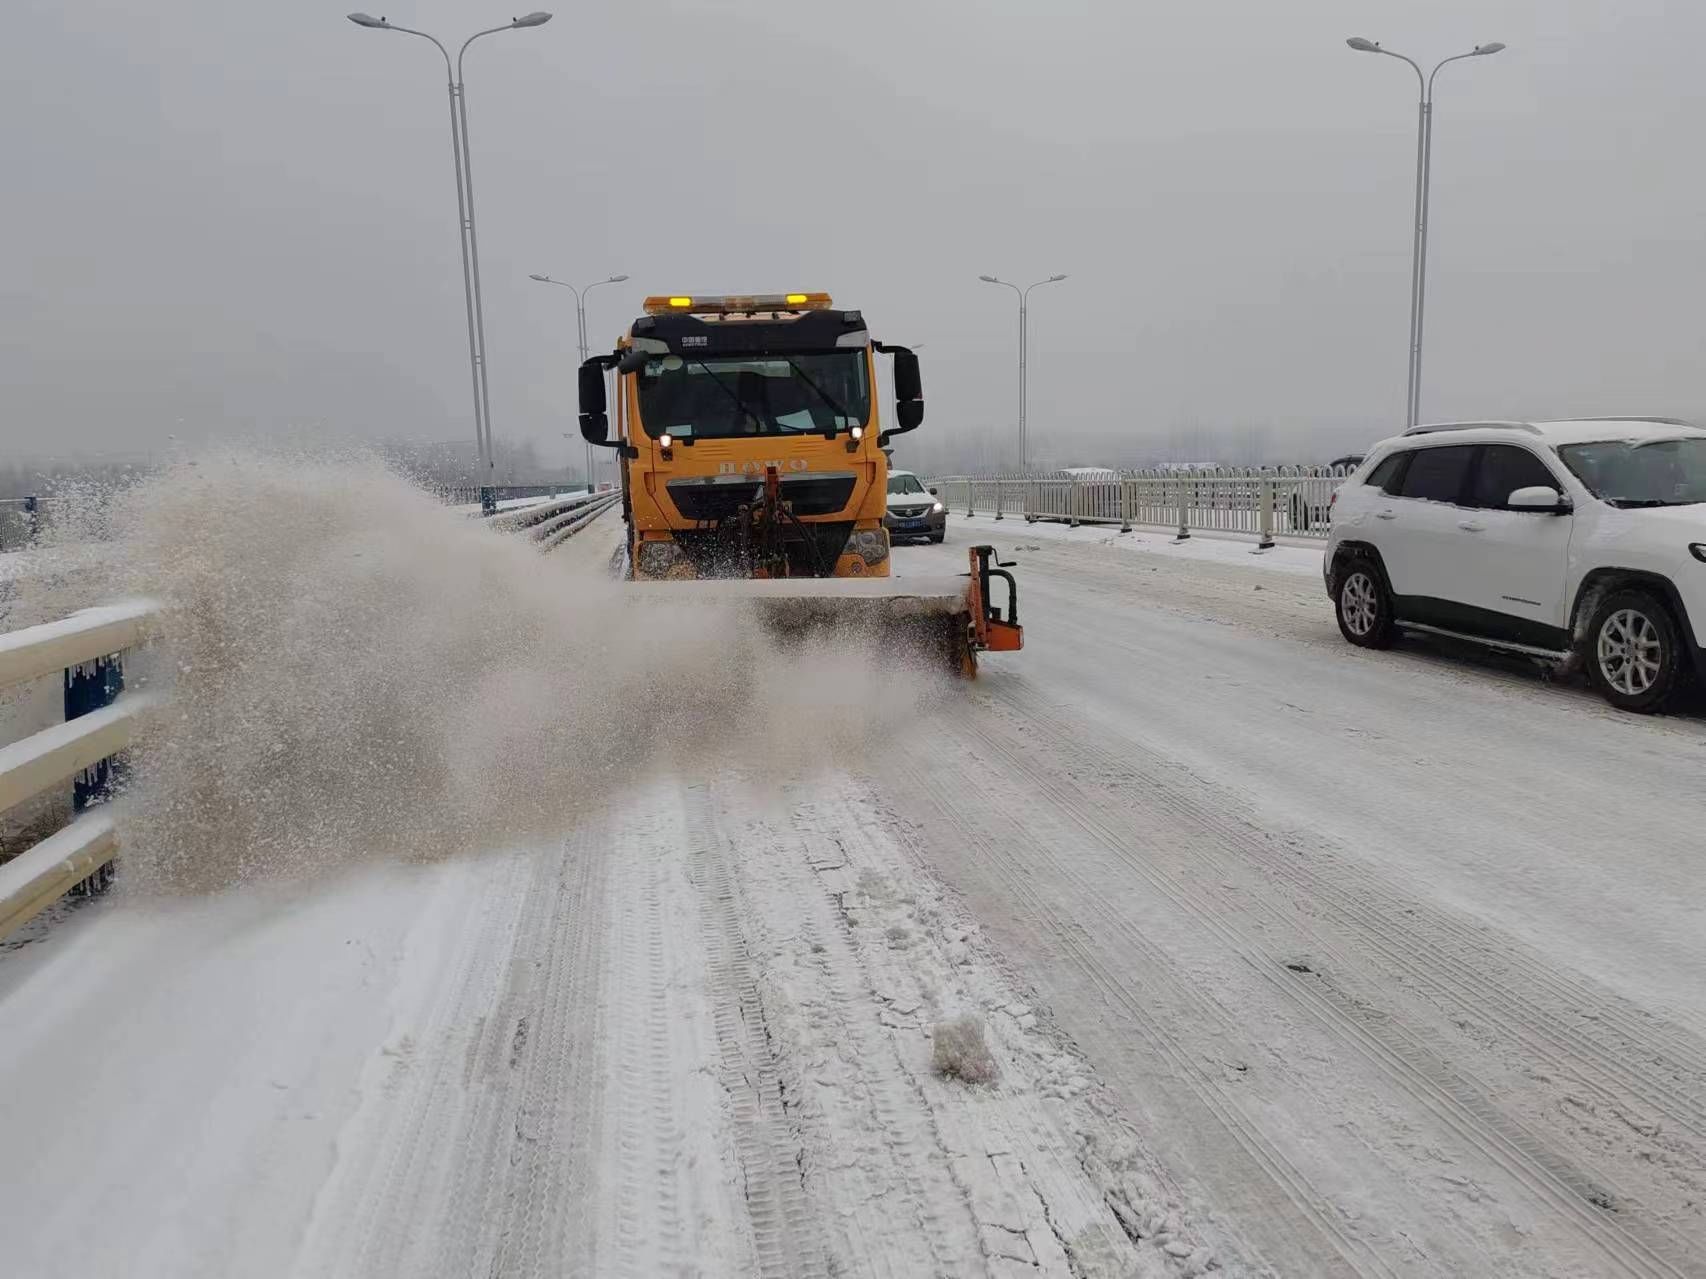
(595, 424)
(908, 391)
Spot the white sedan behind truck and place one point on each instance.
(914, 511)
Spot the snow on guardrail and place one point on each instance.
(87, 647)
(549, 509)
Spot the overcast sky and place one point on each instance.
(227, 215)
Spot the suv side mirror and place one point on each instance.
(1539, 497)
(595, 424)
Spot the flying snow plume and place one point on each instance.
(351, 671)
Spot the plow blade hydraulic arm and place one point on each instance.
(992, 629)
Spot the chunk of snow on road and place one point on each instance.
(959, 1051)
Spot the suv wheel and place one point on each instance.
(1633, 654)
(1363, 606)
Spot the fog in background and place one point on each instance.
(226, 218)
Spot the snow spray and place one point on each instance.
(352, 672)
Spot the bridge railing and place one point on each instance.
(88, 649)
(1285, 501)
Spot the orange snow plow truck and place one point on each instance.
(752, 466)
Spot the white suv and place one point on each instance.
(1580, 542)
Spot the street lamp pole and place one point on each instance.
(465, 230)
(580, 328)
(1424, 177)
(1024, 357)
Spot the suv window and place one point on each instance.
(1385, 476)
(1438, 474)
(1504, 469)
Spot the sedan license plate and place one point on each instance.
(910, 526)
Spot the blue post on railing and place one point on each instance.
(89, 687)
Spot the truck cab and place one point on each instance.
(750, 436)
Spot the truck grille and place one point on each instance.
(715, 500)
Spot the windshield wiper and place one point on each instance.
(722, 386)
(1638, 503)
(822, 395)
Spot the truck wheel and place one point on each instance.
(1363, 607)
(1634, 654)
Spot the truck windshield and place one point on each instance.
(1649, 473)
(729, 396)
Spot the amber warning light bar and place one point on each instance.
(736, 304)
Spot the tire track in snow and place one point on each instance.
(400, 1153)
(766, 1137)
(645, 1235)
(1645, 1248)
(1046, 1147)
(872, 1159)
(543, 1106)
(1580, 1021)
(1613, 1053)
(667, 1172)
(542, 1219)
(1235, 1148)
(1054, 1181)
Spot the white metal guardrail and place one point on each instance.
(553, 532)
(551, 511)
(469, 494)
(1288, 501)
(553, 523)
(100, 720)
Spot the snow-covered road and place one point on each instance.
(1291, 959)
(1397, 959)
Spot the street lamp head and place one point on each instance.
(616, 279)
(1494, 47)
(543, 279)
(1363, 46)
(537, 18)
(989, 279)
(1056, 279)
(368, 20)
